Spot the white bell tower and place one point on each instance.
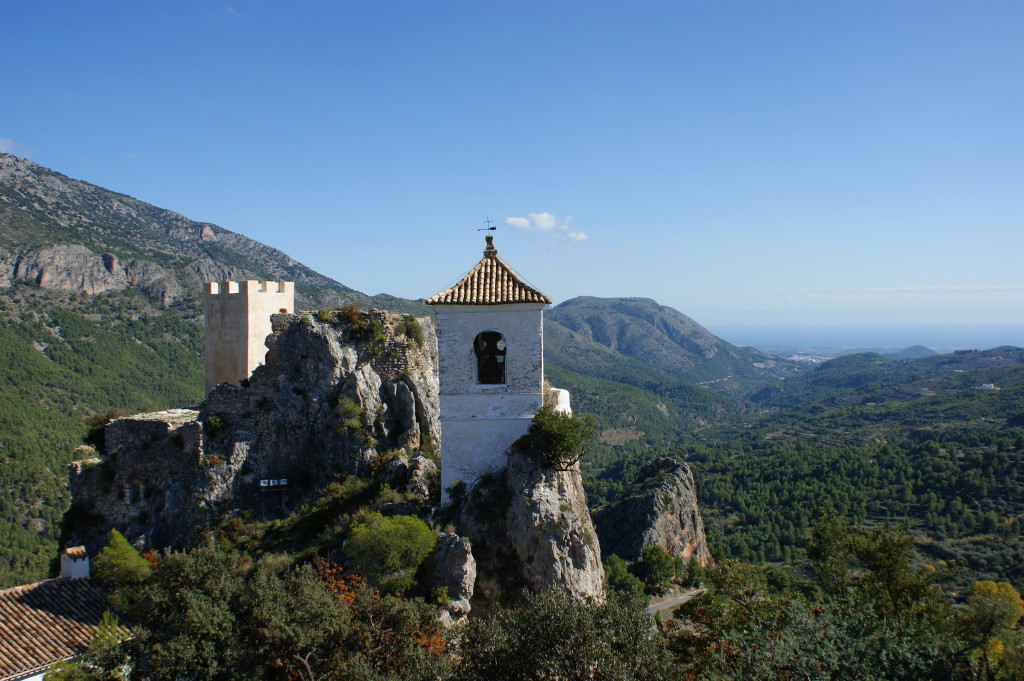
(490, 347)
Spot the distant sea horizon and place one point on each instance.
(938, 338)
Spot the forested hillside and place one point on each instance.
(66, 359)
(914, 443)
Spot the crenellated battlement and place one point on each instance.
(237, 322)
(215, 288)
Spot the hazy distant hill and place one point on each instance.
(869, 377)
(912, 352)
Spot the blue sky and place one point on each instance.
(753, 164)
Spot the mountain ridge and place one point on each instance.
(44, 215)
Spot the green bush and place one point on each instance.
(695, 574)
(119, 564)
(214, 424)
(349, 413)
(350, 315)
(389, 550)
(617, 577)
(553, 636)
(411, 329)
(556, 437)
(656, 568)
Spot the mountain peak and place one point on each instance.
(667, 340)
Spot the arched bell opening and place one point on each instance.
(489, 347)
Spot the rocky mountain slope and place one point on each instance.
(60, 233)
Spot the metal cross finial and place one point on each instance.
(488, 228)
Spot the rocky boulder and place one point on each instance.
(530, 528)
(418, 475)
(453, 569)
(659, 508)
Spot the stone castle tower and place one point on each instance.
(490, 348)
(237, 323)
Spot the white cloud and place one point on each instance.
(518, 224)
(9, 146)
(547, 223)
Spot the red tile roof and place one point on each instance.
(76, 552)
(491, 282)
(45, 622)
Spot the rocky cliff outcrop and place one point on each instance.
(659, 508)
(72, 267)
(453, 569)
(530, 528)
(324, 404)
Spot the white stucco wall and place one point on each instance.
(74, 569)
(237, 323)
(480, 421)
(562, 400)
(471, 448)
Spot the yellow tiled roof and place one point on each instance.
(491, 282)
(45, 622)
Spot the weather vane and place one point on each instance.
(488, 228)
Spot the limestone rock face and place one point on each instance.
(73, 267)
(659, 508)
(418, 475)
(424, 478)
(530, 527)
(322, 405)
(454, 569)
